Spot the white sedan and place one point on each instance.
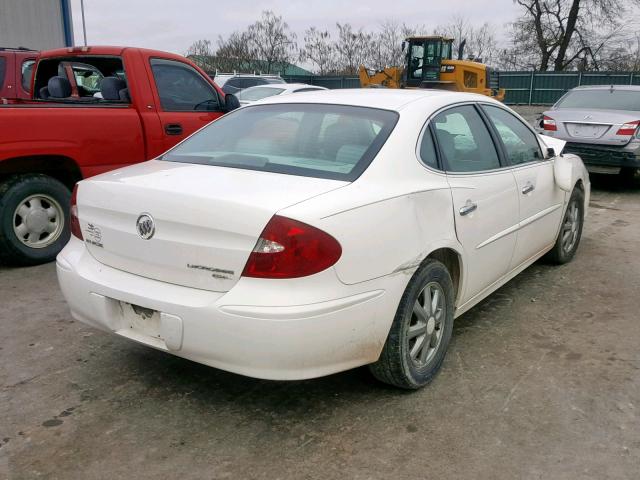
(253, 94)
(314, 233)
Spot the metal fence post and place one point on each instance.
(580, 78)
(631, 79)
(531, 88)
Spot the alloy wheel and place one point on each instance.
(570, 227)
(425, 330)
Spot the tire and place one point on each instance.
(564, 251)
(30, 204)
(396, 365)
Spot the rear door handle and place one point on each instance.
(468, 208)
(528, 188)
(173, 129)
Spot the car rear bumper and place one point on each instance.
(297, 333)
(603, 156)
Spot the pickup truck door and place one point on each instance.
(539, 197)
(187, 101)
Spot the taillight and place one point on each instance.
(549, 124)
(73, 215)
(291, 249)
(629, 128)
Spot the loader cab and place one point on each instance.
(424, 56)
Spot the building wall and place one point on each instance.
(37, 24)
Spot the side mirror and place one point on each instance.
(404, 45)
(563, 173)
(231, 102)
(551, 152)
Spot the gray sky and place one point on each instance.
(173, 25)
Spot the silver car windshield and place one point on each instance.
(604, 99)
(314, 140)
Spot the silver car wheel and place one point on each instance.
(425, 330)
(38, 221)
(570, 227)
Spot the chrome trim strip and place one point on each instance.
(520, 226)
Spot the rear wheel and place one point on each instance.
(570, 231)
(33, 219)
(421, 330)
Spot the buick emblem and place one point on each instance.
(145, 226)
(588, 117)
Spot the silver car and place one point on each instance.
(600, 124)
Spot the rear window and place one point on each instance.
(604, 99)
(324, 141)
(258, 93)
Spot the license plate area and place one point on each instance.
(582, 130)
(141, 320)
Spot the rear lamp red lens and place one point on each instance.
(288, 248)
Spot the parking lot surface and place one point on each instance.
(542, 380)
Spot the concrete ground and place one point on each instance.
(542, 380)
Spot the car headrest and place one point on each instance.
(124, 95)
(44, 93)
(59, 87)
(110, 88)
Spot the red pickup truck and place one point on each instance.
(93, 109)
(16, 67)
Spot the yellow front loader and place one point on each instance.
(429, 64)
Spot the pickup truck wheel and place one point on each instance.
(570, 230)
(34, 223)
(421, 330)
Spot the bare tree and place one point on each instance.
(319, 50)
(201, 53)
(567, 33)
(352, 47)
(234, 53)
(272, 41)
(480, 42)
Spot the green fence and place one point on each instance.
(540, 88)
(528, 88)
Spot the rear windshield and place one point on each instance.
(604, 99)
(312, 140)
(258, 93)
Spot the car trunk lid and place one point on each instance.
(206, 219)
(592, 126)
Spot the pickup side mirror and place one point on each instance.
(551, 152)
(231, 102)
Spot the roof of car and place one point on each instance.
(635, 88)
(389, 99)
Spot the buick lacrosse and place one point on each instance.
(312, 233)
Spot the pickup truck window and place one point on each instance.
(181, 88)
(84, 73)
(27, 71)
